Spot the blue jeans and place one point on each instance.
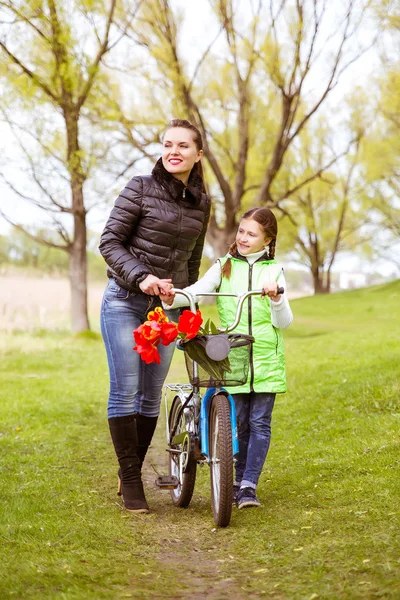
(254, 412)
(134, 386)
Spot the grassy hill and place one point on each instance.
(330, 518)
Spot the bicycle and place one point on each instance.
(202, 429)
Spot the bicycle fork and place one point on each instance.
(204, 420)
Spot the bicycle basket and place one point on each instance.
(233, 352)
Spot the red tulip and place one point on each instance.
(150, 330)
(147, 351)
(169, 333)
(189, 323)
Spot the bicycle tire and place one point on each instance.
(182, 495)
(221, 460)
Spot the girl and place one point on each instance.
(155, 231)
(250, 264)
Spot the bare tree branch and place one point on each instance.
(38, 81)
(29, 20)
(202, 59)
(32, 236)
(95, 65)
(316, 175)
(38, 204)
(44, 190)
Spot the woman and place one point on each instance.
(155, 234)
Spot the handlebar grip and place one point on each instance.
(280, 290)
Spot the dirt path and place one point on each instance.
(189, 542)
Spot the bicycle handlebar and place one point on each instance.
(242, 298)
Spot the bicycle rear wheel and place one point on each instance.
(182, 465)
(221, 459)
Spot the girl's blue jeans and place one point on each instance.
(134, 386)
(254, 412)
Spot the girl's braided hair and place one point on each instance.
(264, 217)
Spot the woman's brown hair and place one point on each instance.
(264, 217)
(198, 140)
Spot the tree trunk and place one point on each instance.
(320, 287)
(78, 276)
(328, 281)
(220, 239)
(77, 251)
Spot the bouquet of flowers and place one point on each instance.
(195, 338)
(158, 329)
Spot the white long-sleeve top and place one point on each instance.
(281, 313)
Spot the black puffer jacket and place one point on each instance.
(157, 226)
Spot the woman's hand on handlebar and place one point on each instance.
(271, 289)
(153, 286)
(168, 298)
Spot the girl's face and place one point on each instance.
(250, 237)
(179, 152)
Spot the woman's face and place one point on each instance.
(179, 152)
(250, 237)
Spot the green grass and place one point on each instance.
(330, 488)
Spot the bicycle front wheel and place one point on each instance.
(181, 463)
(221, 459)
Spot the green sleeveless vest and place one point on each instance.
(267, 361)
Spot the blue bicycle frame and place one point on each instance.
(182, 392)
(204, 420)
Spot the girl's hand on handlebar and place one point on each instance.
(271, 289)
(153, 286)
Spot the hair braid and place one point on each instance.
(271, 249)
(227, 268)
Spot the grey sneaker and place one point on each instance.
(247, 497)
(235, 492)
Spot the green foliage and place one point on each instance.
(4, 249)
(323, 217)
(26, 252)
(388, 12)
(381, 155)
(330, 518)
(51, 56)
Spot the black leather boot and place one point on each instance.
(145, 427)
(124, 437)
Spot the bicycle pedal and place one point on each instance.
(167, 482)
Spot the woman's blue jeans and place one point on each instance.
(254, 412)
(134, 386)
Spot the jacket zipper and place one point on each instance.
(173, 248)
(277, 341)
(249, 307)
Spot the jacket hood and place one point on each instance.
(175, 187)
